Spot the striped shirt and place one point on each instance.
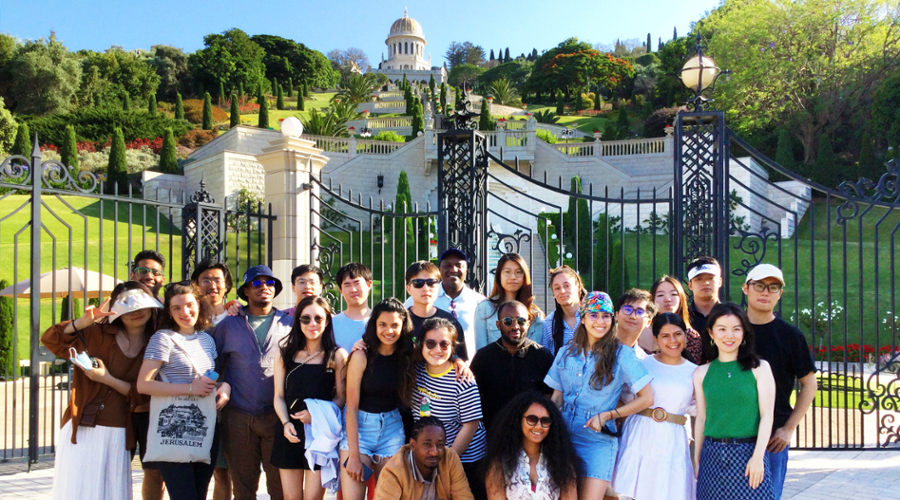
(176, 366)
(454, 402)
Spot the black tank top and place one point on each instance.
(378, 390)
(307, 382)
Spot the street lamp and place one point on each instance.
(700, 74)
(568, 132)
(365, 132)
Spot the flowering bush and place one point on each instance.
(823, 317)
(892, 323)
(138, 160)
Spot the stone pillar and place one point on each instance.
(289, 163)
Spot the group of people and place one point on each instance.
(451, 395)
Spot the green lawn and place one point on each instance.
(316, 101)
(840, 391)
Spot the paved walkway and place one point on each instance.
(812, 475)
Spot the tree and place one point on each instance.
(492, 54)
(263, 111)
(464, 74)
(220, 98)
(8, 128)
(126, 72)
(274, 85)
(235, 118)
(826, 162)
(886, 111)
(485, 122)
(207, 112)
(290, 87)
(622, 119)
(464, 53)
(151, 106)
(171, 64)
(22, 145)
(358, 88)
(444, 97)
(301, 100)
(7, 335)
(179, 107)
(811, 65)
(70, 314)
(517, 72)
(560, 104)
(579, 101)
(506, 57)
(117, 170)
(168, 156)
(784, 155)
(648, 44)
(598, 101)
(126, 103)
(69, 151)
(285, 59)
(674, 32)
(580, 207)
(46, 77)
(346, 62)
(229, 57)
(868, 163)
(325, 124)
(572, 64)
(418, 117)
(431, 83)
(504, 93)
(279, 102)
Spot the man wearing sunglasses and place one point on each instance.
(422, 281)
(511, 365)
(635, 310)
(247, 344)
(786, 350)
(148, 269)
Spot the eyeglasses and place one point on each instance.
(431, 344)
(144, 271)
(533, 420)
(207, 282)
(628, 310)
(508, 321)
(304, 282)
(259, 283)
(306, 319)
(419, 283)
(759, 286)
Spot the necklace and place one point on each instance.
(729, 371)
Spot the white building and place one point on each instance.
(406, 54)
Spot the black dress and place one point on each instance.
(301, 382)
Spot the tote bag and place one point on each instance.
(181, 427)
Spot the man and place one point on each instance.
(635, 310)
(355, 282)
(306, 281)
(148, 269)
(422, 279)
(704, 280)
(511, 365)
(786, 350)
(424, 469)
(247, 344)
(454, 296)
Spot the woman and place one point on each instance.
(735, 408)
(512, 281)
(185, 315)
(654, 461)
(93, 458)
(587, 378)
(309, 365)
(456, 402)
(669, 296)
(379, 380)
(568, 292)
(530, 455)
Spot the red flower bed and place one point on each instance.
(593, 112)
(850, 353)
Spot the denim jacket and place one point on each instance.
(247, 368)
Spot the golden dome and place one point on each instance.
(406, 26)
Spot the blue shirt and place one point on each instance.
(568, 331)
(571, 374)
(347, 331)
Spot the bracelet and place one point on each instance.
(285, 423)
(617, 413)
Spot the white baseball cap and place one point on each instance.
(764, 271)
(705, 269)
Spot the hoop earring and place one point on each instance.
(712, 343)
(744, 342)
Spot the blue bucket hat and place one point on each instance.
(253, 273)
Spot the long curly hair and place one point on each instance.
(525, 294)
(604, 350)
(204, 312)
(295, 341)
(403, 347)
(505, 441)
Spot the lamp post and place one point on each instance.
(365, 132)
(700, 74)
(568, 132)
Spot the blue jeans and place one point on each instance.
(778, 465)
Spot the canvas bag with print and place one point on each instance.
(181, 427)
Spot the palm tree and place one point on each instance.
(546, 116)
(324, 124)
(344, 110)
(359, 88)
(504, 92)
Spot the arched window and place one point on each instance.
(405, 48)
(394, 52)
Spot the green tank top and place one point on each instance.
(732, 402)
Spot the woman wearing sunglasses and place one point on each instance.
(587, 378)
(654, 461)
(512, 281)
(455, 402)
(530, 455)
(98, 464)
(309, 365)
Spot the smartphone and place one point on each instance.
(367, 471)
(211, 374)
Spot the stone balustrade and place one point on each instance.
(576, 148)
(635, 147)
(392, 122)
(352, 146)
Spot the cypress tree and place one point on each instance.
(649, 50)
(274, 85)
(220, 98)
(622, 120)
(151, 107)
(674, 32)
(69, 151)
(492, 54)
(306, 90)
(126, 103)
(485, 123)
(241, 89)
(560, 104)
(301, 101)
(179, 107)
(826, 163)
(598, 100)
(168, 157)
(405, 82)
(207, 112)
(235, 111)
(868, 163)
(506, 57)
(117, 170)
(418, 118)
(659, 44)
(431, 84)
(7, 363)
(784, 155)
(444, 97)
(263, 111)
(279, 102)
(22, 145)
(65, 314)
(579, 100)
(290, 88)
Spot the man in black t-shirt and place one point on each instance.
(704, 276)
(788, 354)
(511, 365)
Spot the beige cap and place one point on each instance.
(764, 271)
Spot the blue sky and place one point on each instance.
(324, 25)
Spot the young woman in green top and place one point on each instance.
(735, 405)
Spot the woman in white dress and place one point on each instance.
(654, 460)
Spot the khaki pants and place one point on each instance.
(249, 444)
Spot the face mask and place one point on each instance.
(81, 359)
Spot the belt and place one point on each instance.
(731, 440)
(660, 415)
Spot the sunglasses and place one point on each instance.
(628, 310)
(419, 283)
(508, 321)
(306, 319)
(144, 271)
(533, 420)
(431, 344)
(259, 283)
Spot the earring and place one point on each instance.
(712, 343)
(744, 342)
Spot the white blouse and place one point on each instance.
(519, 487)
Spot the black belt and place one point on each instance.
(732, 440)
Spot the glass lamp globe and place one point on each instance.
(690, 73)
(292, 127)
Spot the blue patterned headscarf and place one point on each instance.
(596, 302)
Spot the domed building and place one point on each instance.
(406, 54)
